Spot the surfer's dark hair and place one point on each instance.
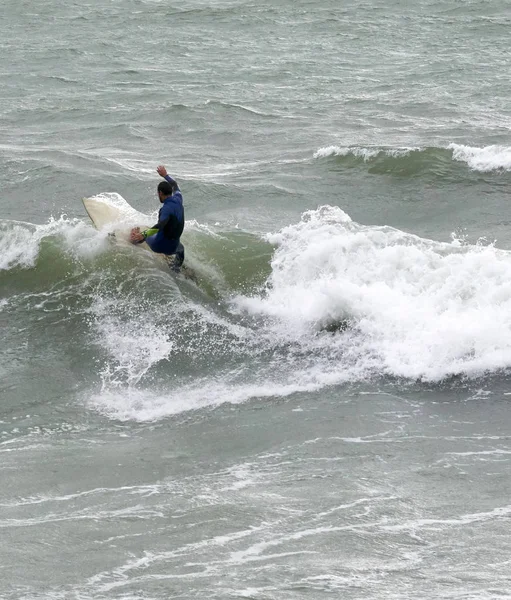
(165, 188)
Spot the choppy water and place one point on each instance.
(325, 411)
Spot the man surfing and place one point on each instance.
(164, 237)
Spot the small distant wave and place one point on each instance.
(416, 160)
(402, 162)
(62, 79)
(127, 72)
(241, 108)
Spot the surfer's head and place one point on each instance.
(165, 190)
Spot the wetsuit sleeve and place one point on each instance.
(172, 182)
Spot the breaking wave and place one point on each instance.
(324, 301)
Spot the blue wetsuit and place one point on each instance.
(171, 221)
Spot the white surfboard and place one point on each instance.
(111, 213)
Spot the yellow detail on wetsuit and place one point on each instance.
(148, 232)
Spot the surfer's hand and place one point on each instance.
(162, 171)
(135, 236)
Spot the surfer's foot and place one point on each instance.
(179, 258)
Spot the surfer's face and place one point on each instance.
(161, 197)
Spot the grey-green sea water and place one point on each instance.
(323, 411)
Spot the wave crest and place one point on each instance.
(488, 158)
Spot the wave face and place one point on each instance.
(321, 302)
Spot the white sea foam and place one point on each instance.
(421, 309)
(488, 158)
(131, 352)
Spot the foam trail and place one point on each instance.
(142, 405)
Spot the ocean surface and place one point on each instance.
(324, 411)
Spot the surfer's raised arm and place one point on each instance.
(163, 172)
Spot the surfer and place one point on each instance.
(164, 237)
